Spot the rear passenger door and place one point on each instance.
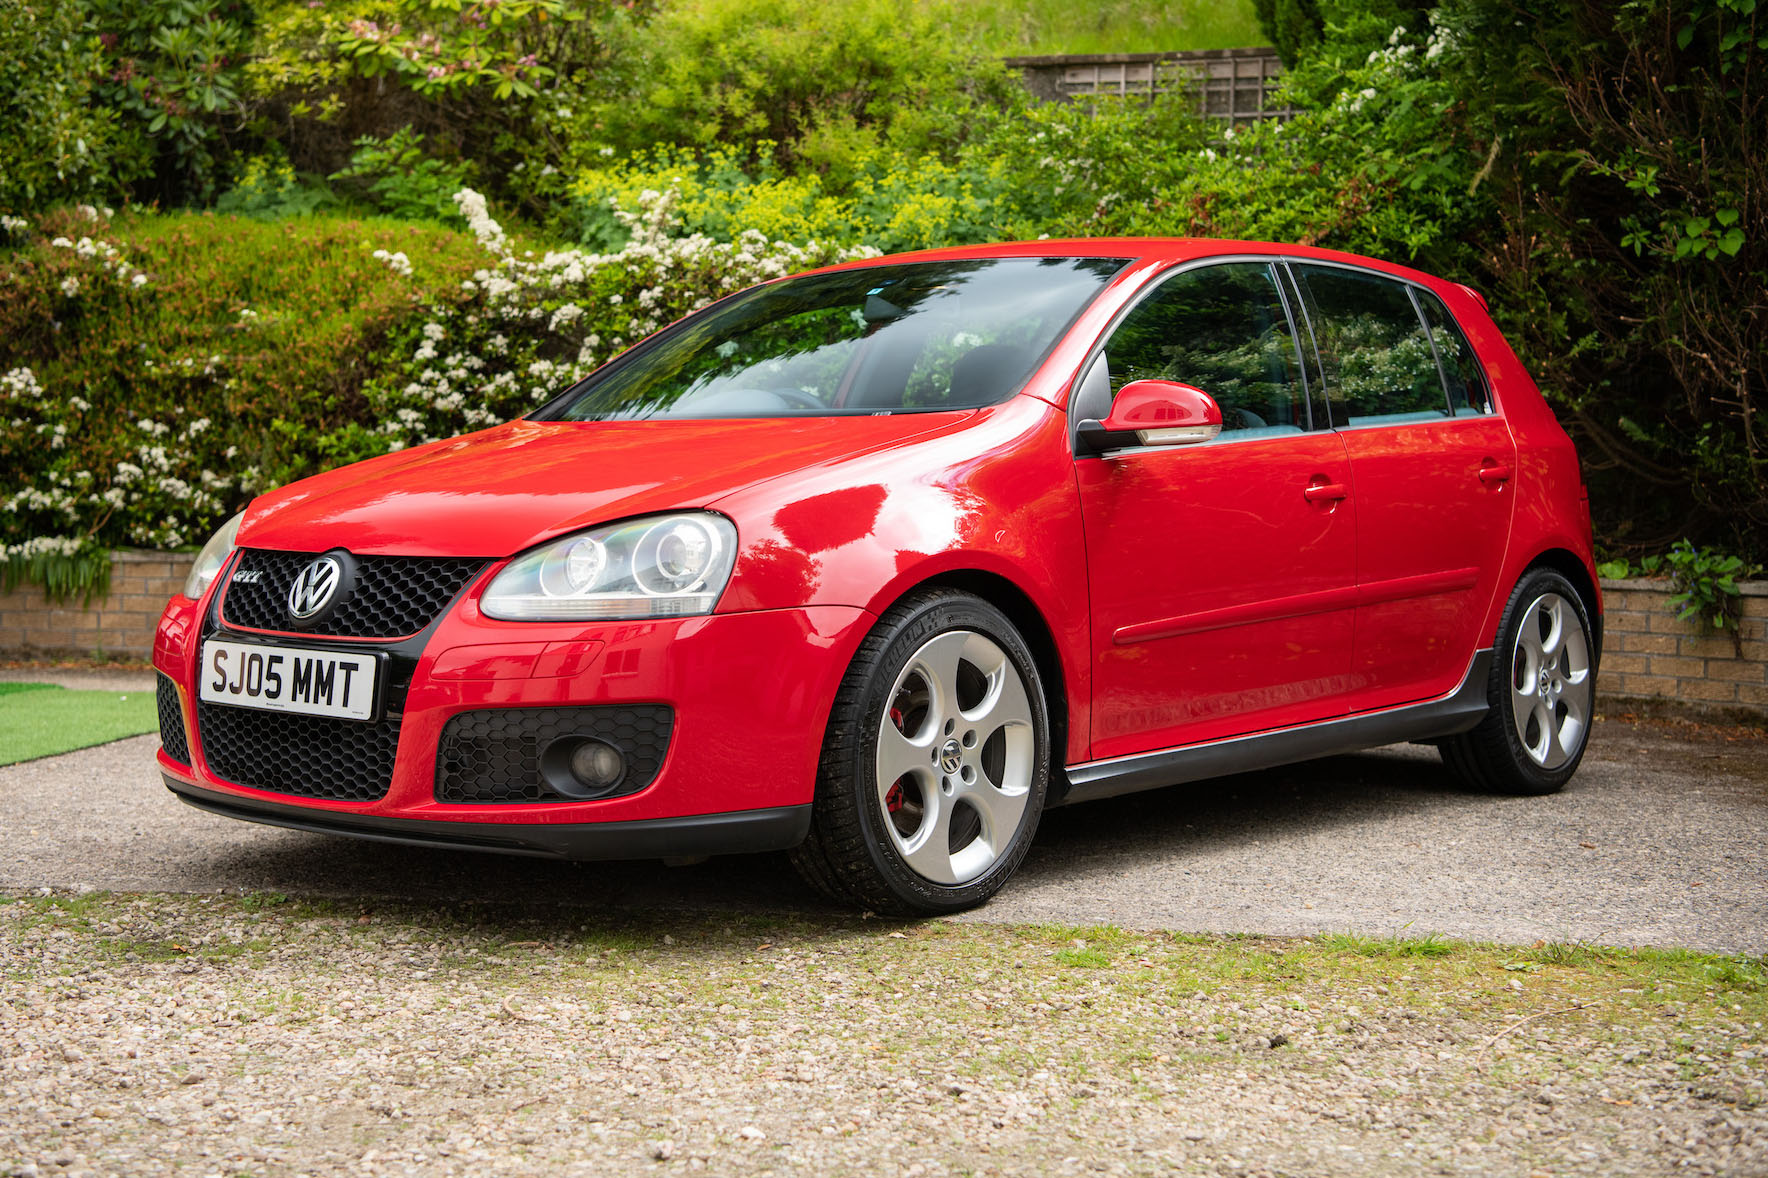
(1431, 469)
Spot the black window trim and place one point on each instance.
(1158, 279)
(1435, 352)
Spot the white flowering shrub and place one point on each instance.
(526, 326)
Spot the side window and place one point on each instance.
(1380, 369)
(1224, 330)
(1468, 391)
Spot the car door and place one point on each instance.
(1431, 469)
(1221, 573)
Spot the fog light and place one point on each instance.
(597, 766)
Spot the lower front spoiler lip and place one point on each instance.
(736, 832)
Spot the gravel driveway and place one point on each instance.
(1657, 841)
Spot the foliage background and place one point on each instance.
(286, 239)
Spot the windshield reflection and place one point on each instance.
(875, 340)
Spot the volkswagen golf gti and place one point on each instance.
(877, 563)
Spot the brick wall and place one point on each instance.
(119, 626)
(1648, 654)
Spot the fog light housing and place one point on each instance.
(582, 767)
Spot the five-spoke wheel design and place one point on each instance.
(954, 760)
(936, 761)
(1550, 681)
(1540, 693)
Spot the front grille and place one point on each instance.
(310, 756)
(494, 756)
(393, 595)
(172, 737)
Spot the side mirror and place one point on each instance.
(1155, 413)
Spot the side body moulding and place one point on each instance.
(1458, 711)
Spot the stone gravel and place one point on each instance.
(172, 1035)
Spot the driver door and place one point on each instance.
(1222, 574)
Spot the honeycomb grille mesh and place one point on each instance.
(394, 595)
(172, 737)
(309, 756)
(494, 756)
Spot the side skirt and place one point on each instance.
(1456, 712)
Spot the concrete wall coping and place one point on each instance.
(147, 555)
(1663, 585)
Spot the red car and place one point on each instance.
(877, 563)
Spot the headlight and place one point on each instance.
(662, 566)
(211, 558)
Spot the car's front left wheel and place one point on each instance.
(936, 761)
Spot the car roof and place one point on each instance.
(1147, 250)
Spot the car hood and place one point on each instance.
(501, 490)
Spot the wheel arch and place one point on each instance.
(1566, 563)
(1014, 602)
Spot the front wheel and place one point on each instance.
(1541, 693)
(936, 761)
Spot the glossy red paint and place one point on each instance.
(1161, 404)
(1425, 511)
(1232, 614)
(731, 720)
(1180, 595)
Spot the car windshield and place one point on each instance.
(914, 337)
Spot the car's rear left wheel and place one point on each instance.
(1541, 694)
(936, 761)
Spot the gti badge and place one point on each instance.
(314, 589)
(248, 576)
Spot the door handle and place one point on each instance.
(1494, 474)
(1325, 491)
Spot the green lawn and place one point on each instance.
(41, 719)
(1025, 27)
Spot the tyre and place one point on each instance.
(935, 764)
(1541, 693)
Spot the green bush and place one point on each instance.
(825, 83)
(54, 144)
(395, 176)
(489, 87)
(172, 71)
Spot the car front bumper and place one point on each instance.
(748, 693)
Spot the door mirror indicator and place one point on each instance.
(1155, 413)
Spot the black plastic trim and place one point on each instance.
(737, 832)
(1456, 712)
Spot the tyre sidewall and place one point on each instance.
(912, 631)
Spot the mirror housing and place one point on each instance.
(1155, 413)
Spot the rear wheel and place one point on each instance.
(1541, 694)
(936, 762)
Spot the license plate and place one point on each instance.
(289, 679)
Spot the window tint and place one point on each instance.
(1222, 329)
(1379, 365)
(1468, 392)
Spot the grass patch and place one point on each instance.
(1013, 27)
(1429, 945)
(42, 719)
